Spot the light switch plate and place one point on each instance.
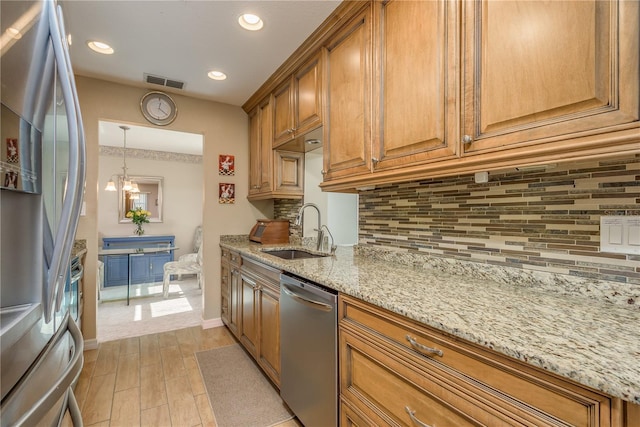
(620, 234)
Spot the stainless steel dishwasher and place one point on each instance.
(309, 351)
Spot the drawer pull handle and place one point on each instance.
(414, 419)
(423, 348)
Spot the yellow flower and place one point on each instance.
(138, 216)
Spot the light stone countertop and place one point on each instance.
(593, 342)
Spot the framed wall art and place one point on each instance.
(226, 165)
(226, 193)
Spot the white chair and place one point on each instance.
(197, 241)
(180, 267)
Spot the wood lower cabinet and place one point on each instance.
(259, 330)
(249, 313)
(397, 372)
(230, 289)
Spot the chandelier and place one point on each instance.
(127, 183)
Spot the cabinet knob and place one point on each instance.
(375, 160)
(323, 172)
(467, 139)
(256, 187)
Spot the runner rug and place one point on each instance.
(239, 393)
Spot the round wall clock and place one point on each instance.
(158, 108)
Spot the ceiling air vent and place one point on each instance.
(163, 81)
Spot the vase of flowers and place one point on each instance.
(139, 216)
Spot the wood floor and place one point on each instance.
(151, 380)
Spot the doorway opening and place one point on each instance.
(168, 165)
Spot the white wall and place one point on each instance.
(339, 211)
(182, 199)
(313, 194)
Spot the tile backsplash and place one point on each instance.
(545, 220)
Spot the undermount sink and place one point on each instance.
(293, 254)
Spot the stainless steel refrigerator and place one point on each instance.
(42, 175)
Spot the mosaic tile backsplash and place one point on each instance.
(539, 220)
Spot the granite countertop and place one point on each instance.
(589, 340)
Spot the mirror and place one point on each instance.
(148, 198)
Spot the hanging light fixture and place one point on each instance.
(127, 184)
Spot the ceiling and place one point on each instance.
(185, 39)
(149, 138)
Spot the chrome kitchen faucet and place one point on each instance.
(320, 237)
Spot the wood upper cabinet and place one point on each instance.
(395, 106)
(298, 103)
(289, 172)
(272, 174)
(261, 154)
(283, 127)
(307, 84)
(537, 72)
(347, 125)
(415, 96)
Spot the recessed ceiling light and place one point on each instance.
(250, 22)
(14, 33)
(100, 47)
(217, 75)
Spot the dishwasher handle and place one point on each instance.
(308, 302)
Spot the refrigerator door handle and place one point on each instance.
(74, 409)
(76, 173)
(63, 382)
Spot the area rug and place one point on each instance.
(239, 393)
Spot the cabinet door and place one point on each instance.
(347, 129)
(236, 300)
(225, 290)
(308, 96)
(269, 349)
(115, 270)
(283, 128)
(260, 141)
(255, 154)
(140, 269)
(289, 176)
(249, 325)
(415, 82)
(156, 267)
(539, 71)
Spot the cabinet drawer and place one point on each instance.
(231, 256)
(533, 387)
(385, 389)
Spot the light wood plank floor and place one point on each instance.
(152, 380)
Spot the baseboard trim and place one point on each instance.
(212, 323)
(91, 344)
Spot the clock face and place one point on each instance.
(158, 108)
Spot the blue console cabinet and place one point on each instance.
(145, 268)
